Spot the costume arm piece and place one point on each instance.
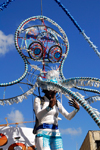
(37, 108)
(65, 113)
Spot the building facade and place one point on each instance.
(91, 141)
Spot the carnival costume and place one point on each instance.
(43, 44)
(48, 136)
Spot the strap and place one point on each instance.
(47, 126)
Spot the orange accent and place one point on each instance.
(11, 147)
(3, 139)
(31, 148)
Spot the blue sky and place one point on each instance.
(81, 61)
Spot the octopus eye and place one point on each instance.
(35, 50)
(55, 53)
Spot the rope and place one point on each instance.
(5, 4)
(78, 27)
(69, 15)
(41, 8)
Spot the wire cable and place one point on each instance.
(78, 27)
(5, 4)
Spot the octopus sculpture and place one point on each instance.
(43, 46)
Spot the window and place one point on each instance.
(98, 144)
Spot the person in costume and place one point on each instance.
(47, 110)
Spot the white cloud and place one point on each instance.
(71, 131)
(16, 116)
(6, 43)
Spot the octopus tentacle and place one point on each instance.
(87, 89)
(82, 81)
(82, 102)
